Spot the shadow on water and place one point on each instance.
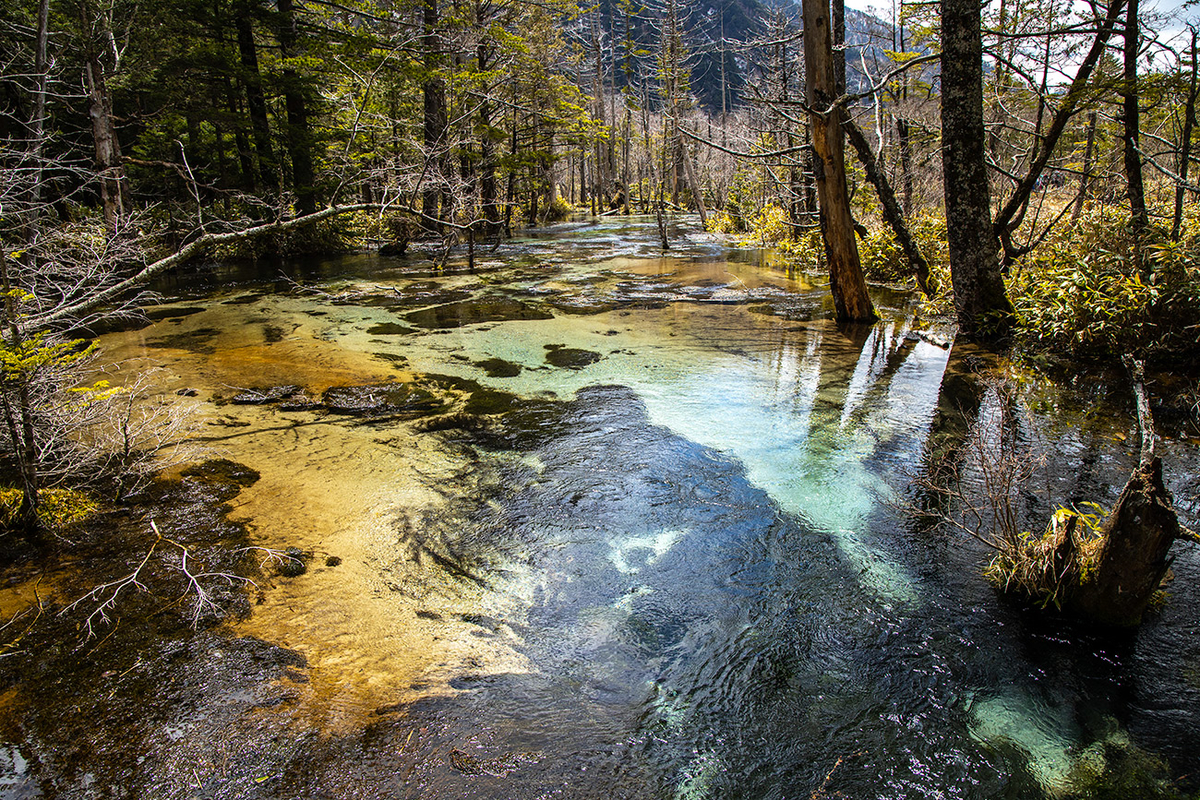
(679, 501)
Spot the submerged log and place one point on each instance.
(1132, 560)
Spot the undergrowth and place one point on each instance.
(1085, 294)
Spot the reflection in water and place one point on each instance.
(674, 570)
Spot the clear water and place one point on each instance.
(687, 570)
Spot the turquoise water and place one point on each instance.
(691, 526)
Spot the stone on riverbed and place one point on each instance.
(258, 397)
(570, 357)
(391, 398)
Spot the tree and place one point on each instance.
(846, 281)
(980, 300)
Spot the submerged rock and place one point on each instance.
(294, 562)
(460, 420)
(389, 398)
(257, 397)
(389, 329)
(570, 357)
(199, 340)
(222, 470)
(470, 312)
(499, 368)
(497, 767)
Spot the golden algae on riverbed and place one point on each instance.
(380, 628)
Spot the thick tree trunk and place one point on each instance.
(1133, 558)
(846, 282)
(982, 306)
(299, 138)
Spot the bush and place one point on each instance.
(1082, 294)
(57, 509)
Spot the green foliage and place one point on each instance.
(722, 222)
(768, 227)
(1083, 294)
(57, 508)
(884, 260)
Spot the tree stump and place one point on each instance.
(1132, 560)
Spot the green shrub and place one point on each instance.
(57, 509)
(770, 226)
(1083, 294)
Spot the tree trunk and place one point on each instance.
(100, 112)
(1131, 135)
(982, 306)
(256, 102)
(846, 282)
(299, 138)
(249, 181)
(487, 146)
(434, 95)
(892, 213)
(1089, 152)
(697, 189)
(1133, 558)
(1185, 143)
(1010, 215)
(17, 415)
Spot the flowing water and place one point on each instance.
(667, 558)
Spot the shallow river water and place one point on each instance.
(669, 557)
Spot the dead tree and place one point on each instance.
(1135, 538)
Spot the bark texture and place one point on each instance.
(1133, 558)
(846, 282)
(981, 304)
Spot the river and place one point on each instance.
(670, 554)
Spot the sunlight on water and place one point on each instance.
(1046, 736)
(804, 415)
(672, 571)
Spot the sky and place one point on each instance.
(1181, 12)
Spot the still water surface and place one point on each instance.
(678, 566)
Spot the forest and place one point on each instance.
(146, 128)
(1002, 191)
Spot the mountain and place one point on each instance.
(720, 33)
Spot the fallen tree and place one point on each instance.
(89, 298)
